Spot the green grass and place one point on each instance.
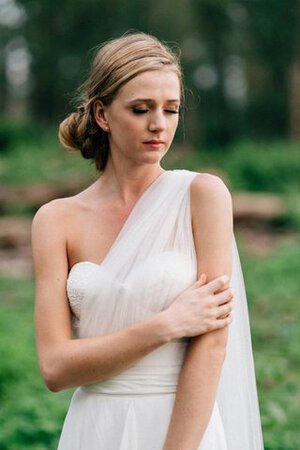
(31, 417)
(273, 294)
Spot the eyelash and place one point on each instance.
(144, 111)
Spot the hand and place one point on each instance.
(202, 307)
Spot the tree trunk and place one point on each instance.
(295, 101)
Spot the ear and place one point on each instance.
(99, 114)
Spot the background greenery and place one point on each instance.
(31, 417)
(241, 60)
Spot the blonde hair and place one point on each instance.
(115, 63)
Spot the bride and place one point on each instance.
(135, 276)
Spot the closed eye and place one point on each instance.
(139, 110)
(143, 111)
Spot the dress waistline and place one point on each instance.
(156, 373)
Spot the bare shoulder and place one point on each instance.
(61, 212)
(211, 201)
(207, 187)
(52, 223)
(52, 214)
(212, 224)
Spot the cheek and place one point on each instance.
(174, 125)
(128, 125)
(117, 134)
(132, 129)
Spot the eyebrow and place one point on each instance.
(150, 100)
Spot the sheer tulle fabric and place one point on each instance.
(153, 260)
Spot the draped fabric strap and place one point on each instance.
(159, 221)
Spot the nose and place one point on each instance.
(157, 121)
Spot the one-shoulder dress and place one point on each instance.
(151, 262)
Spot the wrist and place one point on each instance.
(169, 330)
(155, 331)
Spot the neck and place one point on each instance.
(128, 184)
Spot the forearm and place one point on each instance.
(196, 391)
(73, 362)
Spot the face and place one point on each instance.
(143, 118)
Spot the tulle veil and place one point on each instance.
(237, 393)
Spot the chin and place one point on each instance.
(156, 156)
(153, 160)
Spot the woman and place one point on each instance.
(119, 265)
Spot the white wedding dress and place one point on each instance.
(153, 260)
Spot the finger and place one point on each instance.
(221, 323)
(217, 284)
(224, 310)
(223, 297)
(202, 280)
(223, 317)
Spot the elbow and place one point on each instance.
(51, 376)
(53, 385)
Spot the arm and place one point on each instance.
(212, 226)
(66, 362)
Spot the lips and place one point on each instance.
(154, 142)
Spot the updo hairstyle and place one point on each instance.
(115, 63)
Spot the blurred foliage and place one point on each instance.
(250, 166)
(14, 133)
(31, 417)
(28, 160)
(238, 58)
(246, 165)
(271, 167)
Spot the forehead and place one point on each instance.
(155, 84)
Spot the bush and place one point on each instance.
(248, 165)
(272, 167)
(15, 133)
